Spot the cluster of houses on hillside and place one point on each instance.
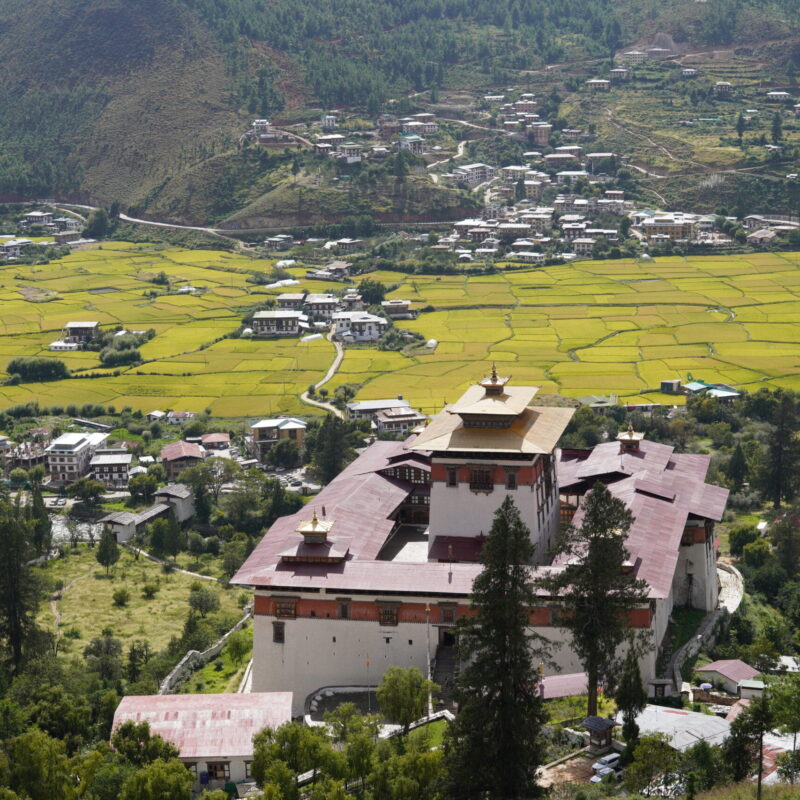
(390, 133)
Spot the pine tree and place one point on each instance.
(740, 126)
(107, 552)
(495, 746)
(598, 593)
(631, 696)
(42, 527)
(737, 467)
(330, 449)
(779, 476)
(19, 588)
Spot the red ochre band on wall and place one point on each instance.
(368, 611)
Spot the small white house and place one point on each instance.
(728, 673)
(213, 732)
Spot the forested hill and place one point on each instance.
(115, 98)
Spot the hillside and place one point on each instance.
(145, 102)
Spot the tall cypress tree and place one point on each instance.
(494, 746)
(19, 588)
(42, 527)
(596, 591)
(779, 478)
(631, 696)
(331, 449)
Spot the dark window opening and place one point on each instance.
(279, 632)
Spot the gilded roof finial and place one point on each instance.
(630, 427)
(494, 372)
(314, 520)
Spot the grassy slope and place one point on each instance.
(86, 605)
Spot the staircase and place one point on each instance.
(445, 669)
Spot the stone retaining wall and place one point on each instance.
(194, 659)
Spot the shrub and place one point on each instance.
(149, 591)
(121, 597)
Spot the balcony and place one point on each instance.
(481, 486)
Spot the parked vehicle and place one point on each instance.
(610, 761)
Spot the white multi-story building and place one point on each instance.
(379, 567)
(358, 326)
(69, 457)
(111, 468)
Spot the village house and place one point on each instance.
(412, 142)
(213, 733)
(540, 133)
(266, 433)
(722, 88)
(673, 226)
(178, 456)
(473, 174)
(329, 122)
(352, 301)
(689, 72)
(68, 458)
(358, 326)
(323, 306)
(180, 417)
(281, 242)
(396, 421)
(155, 416)
(12, 248)
(366, 409)
(583, 246)
(80, 331)
(619, 74)
(778, 96)
(179, 498)
(42, 218)
(762, 238)
(397, 308)
(634, 58)
(598, 85)
(291, 300)
(727, 673)
(351, 153)
(111, 468)
(280, 322)
(215, 441)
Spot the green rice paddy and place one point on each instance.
(609, 327)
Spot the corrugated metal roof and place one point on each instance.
(208, 725)
(731, 668)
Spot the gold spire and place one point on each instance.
(494, 372)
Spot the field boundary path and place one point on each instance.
(175, 568)
(337, 360)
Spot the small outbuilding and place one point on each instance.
(213, 732)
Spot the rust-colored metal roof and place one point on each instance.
(662, 489)
(208, 725)
(731, 668)
(177, 450)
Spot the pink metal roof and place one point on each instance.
(731, 668)
(662, 489)
(215, 438)
(176, 450)
(208, 725)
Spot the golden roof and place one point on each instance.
(314, 526)
(536, 430)
(512, 401)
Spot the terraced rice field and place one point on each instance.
(611, 327)
(189, 364)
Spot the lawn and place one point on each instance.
(86, 607)
(607, 327)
